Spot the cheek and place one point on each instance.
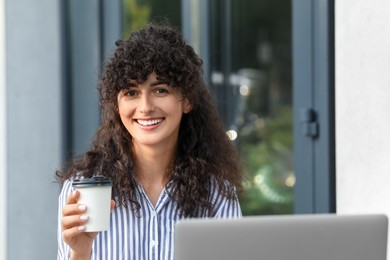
(125, 116)
(125, 109)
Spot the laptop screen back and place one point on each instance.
(290, 237)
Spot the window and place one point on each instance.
(250, 74)
(137, 13)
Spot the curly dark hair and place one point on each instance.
(204, 153)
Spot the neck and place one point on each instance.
(153, 169)
(153, 164)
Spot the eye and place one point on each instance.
(161, 91)
(130, 92)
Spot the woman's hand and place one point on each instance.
(73, 227)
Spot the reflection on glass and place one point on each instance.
(137, 13)
(251, 78)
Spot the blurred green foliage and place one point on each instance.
(266, 152)
(137, 13)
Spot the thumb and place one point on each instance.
(112, 204)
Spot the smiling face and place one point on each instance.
(151, 111)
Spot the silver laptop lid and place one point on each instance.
(290, 237)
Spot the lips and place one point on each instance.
(149, 122)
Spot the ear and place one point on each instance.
(187, 106)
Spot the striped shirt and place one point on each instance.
(148, 235)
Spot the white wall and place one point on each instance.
(363, 106)
(3, 180)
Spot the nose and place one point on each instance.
(145, 104)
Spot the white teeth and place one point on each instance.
(149, 122)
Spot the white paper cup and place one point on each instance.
(95, 193)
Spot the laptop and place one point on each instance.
(283, 237)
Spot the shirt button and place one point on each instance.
(153, 243)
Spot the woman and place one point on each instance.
(162, 144)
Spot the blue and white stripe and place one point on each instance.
(148, 235)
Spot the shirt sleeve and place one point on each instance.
(225, 207)
(63, 252)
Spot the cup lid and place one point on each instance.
(94, 181)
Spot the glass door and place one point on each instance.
(250, 74)
(137, 13)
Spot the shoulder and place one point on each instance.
(222, 188)
(67, 188)
(224, 199)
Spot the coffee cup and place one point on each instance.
(95, 193)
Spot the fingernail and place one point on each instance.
(81, 228)
(84, 218)
(74, 193)
(82, 207)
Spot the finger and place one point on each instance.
(73, 209)
(72, 221)
(70, 233)
(73, 197)
(112, 204)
